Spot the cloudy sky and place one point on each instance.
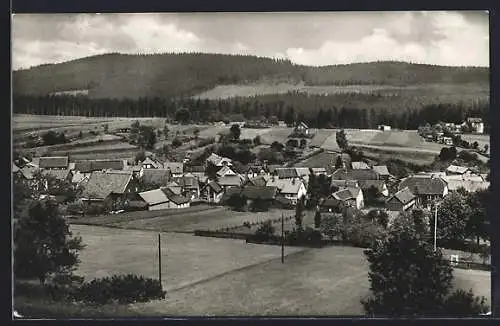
(452, 38)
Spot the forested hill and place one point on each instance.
(182, 75)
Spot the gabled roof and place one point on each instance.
(272, 168)
(344, 183)
(302, 124)
(195, 169)
(102, 184)
(286, 173)
(214, 186)
(404, 196)
(218, 160)
(154, 197)
(330, 202)
(255, 169)
(99, 165)
(367, 184)
(344, 174)
(150, 161)
(15, 168)
(318, 170)
(346, 194)
(175, 198)
(457, 169)
(58, 174)
(230, 180)
(156, 176)
(259, 192)
(360, 166)
(301, 172)
(77, 177)
(424, 185)
(187, 181)
(225, 170)
(175, 167)
(53, 162)
(286, 186)
(258, 181)
(381, 170)
(28, 171)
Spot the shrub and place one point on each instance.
(462, 304)
(265, 231)
(120, 288)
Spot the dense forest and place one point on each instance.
(317, 111)
(184, 75)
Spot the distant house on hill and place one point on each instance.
(476, 124)
(384, 127)
(401, 200)
(218, 161)
(54, 162)
(108, 187)
(352, 197)
(302, 128)
(470, 183)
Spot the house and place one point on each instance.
(225, 171)
(212, 192)
(318, 171)
(176, 168)
(190, 186)
(341, 184)
(292, 189)
(163, 198)
(346, 174)
(331, 205)
(476, 124)
(255, 171)
(53, 162)
(258, 181)
(259, 197)
(61, 175)
(281, 123)
(360, 166)
(79, 178)
(28, 171)
(426, 189)
(457, 170)
(447, 141)
(99, 165)
(401, 200)
(380, 185)
(287, 173)
(303, 173)
(158, 177)
(351, 196)
(272, 169)
(302, 128)
(230, 181)
(218, 161)
(108, 187)
(149, 163)
(384, 127)
(470, 183)
(382, 171)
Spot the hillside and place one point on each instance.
(183, 75)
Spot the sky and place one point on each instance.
(451, 38)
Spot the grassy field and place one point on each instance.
(481, 140)
(279, 134)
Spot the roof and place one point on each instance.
(225, 170)
(101, 184)
(53, 162)
(215, 186)
(301, 172)
(195, 168)
(154, 197)
(345, 174)
(424, 185)
(303, 125)
(176, 199)
(98, 165)
(230, 180)
(286, 186)
(230, 192)
(381, 170)
(330, 202)
(187, 181)
(470, 185)
(318, 170)
(255, 169)
(77, 177)
(272, 168)
(360, 166)
(150, 161)
(283, 200)
(457, 169)
(346, 194)
(258, 181)
(285, 173)
(175, 167)
(404, 196)
(259, 192)
(157, 176)
(366, 184)
(474, 120)
(28, 171)
(344, 183)
(15, 168)
(58, 174)
(218, 160)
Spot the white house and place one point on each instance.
(219, 161)
(163, 198)
(291, 189)
(226, 171)
(476, 125)
(352, 196)
(212, 192)
(301, 127)
(384, 128)
(457, 170)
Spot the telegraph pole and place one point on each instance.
(159, 257)
(282, 240)
(435, 226)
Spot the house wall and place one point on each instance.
(409, 205)
(302, 191)
(385, 191)
(360, 200)
(159, 206)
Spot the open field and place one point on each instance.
(187, 259)
(481, 140)
(279, 134)
(320, 136)
(288, 225)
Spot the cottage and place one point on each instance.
(163, 198)
(158, 177)
(212, 192)
(292, 189)
(352, 197)
(53, 162)
(331, 205)
(286, 173)
(360, 166)
(401, 200)
(476, 124)
(108, 187)
(379, 185)
(457, 170)
(190, 186)
(384, 127)
(230, 181)
(218, 161)
(302, 128)
(258, 197)
(225, 171)
(345, 174)
(176, 168)
(426, 189)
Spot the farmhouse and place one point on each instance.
(401, 200)
(351, 196)
(108, 187)
(190, 186)
(212, 192)
(54, 162)
(287, 173)
(379, 185)
(218, 161)
(302, 128)
(230, 181)
(156, 176)
(426, 189)
(331, 205)
(360, 166)
(258, 197)
(345, 174)
(176, 168)
(225, 171)
(476, 124)
(163, 198)
(457, 170)
(292, 189)
(469, 183)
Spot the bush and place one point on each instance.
(265, 231)
(462, 304)
(120, 288)
(95, 209)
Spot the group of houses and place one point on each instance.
(177, 185)
(437, 131)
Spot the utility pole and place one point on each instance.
(159, 257)
(282, 240)
(435, 225)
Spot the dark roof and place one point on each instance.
(101, 184)
(272, 168)
(187, 181)
(345, 174)
(423, 185)
(177, 199)
(230, 180)
(157, 176)
(58, 174)
(343, 183)
(255, 169)
(175, 167)
(258, 181)
(195, 168)
(283, 200)
(286, 173)
(366, 184)
(331, 202)
(258, 192)
(231, 191)
(53, 162)
(98, 165)
(404, 196)
(215, 186)
(346, 194)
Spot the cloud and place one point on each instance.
(322, 38)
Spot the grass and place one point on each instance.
(279, 134)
